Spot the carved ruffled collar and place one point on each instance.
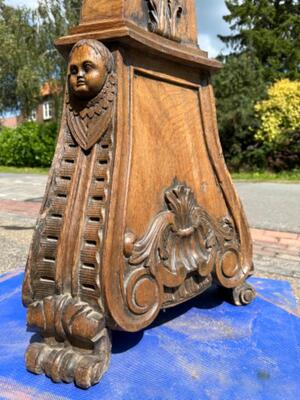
(97, 105)
(89, 120)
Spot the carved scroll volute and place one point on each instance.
(181, 241)
(164, 17)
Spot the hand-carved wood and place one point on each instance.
(164, 16)
(115, 243)
(88, 116)
(62, 287)
(181, 250)
(67, 325)
(243, 295)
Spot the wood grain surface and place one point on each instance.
(140, 212)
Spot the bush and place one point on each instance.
(28, 145)
(279, 114)
(275, 141)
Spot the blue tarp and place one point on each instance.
(204, 349)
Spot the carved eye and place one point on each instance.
(73, 70)
(87, 67)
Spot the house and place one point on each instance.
(10, 122)
(45, 110)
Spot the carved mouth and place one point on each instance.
(80, 83)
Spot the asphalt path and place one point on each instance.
(274, 206)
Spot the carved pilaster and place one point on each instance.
(62, 288)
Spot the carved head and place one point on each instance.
(90, 62)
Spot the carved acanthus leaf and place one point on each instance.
(183, 248)
(164, 16)
(184, 236)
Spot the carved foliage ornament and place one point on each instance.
(181, 241)
(164, 16)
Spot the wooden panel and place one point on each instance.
(101, 9)
(166, 132)
(137, 11)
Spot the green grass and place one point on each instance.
(267, 176)
(255, 176)
(24, 170)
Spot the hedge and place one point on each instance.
(29, 145)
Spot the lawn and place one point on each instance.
(23, 170)
(267, 176)
(255, 176)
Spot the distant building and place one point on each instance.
(45, 110)
(10, 122)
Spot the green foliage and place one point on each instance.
(19, 71)
(269, 30)
(238, 87)
(284, 154)
(28, 145)
(28, 57)
(265, 47)
(279, 114)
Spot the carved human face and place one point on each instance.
(87, 72)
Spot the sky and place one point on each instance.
(210, 22)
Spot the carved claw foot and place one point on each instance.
(76, 344)
(243, 295)
(65, 364)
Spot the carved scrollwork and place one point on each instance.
(243, 295)
(164, 16)
(143, 293)
(183, 240)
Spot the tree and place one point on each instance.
(238, 87)
(264, 46)
(268, 30)
(54, 19)
(28, 57)
(19, 53)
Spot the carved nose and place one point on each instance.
(80, 74)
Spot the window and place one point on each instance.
(32, 116)
(47, 110)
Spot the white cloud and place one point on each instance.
(206, 43)
(19, 3)
(211, 24)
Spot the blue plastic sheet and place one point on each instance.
(204, 349)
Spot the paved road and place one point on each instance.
(273, 206)
(268, 206)
(22, 187)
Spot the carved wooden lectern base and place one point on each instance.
(140, 212)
